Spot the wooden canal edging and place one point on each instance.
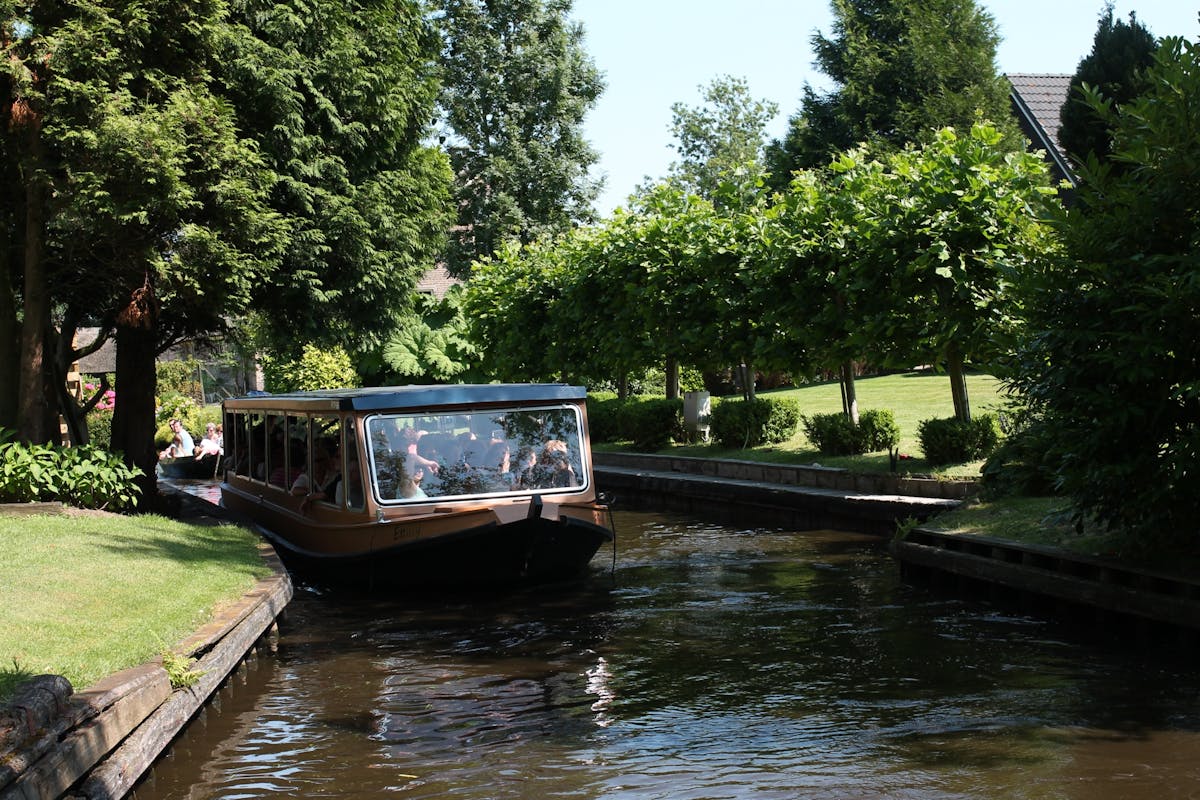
(1050, 579)
(802, 497)
(1042, 580)
(98, 742)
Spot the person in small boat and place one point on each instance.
(498, 465)
(181, 443)
(282, 475)
(526, 467)
(210, 445)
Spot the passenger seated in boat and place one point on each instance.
(410, 481)
(181, 443)
(326, 477)
(350, 488)
(210, 445)
(285, 475)
(554, 470)
(524, 472)
(498, 464)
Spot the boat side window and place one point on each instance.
(256, 440)
(236, 456)
(325, 462)
(350, 489)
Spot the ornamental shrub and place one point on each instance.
(739, 424)
(99, 425)
(651, 423)
(84, 476)
(952, 441)
(835, 435)
(603, 409)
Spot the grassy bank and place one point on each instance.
(911, 397)
(88, 594)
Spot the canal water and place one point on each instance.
(703, 661)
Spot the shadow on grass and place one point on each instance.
(11, 678)
(223, 546)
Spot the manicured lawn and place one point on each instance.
(90, 594)
(911, 397)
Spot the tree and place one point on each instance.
(721, 141)
(1115, 67)
(134, 188)
(1110, 354)
(339, 98)
(516, 86)
(901, 69)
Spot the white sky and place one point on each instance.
(654, 53)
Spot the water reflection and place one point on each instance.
(716, 663)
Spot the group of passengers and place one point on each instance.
(438, 464)
(182, 445)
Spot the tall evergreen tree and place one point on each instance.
(1121, 52)
(516, 86)
(340, 98)
(902, 69)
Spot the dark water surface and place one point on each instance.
(716, 663)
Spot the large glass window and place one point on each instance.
(517, 451)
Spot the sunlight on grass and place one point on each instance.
(88, 595)
(911, 397)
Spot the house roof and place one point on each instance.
(1038, 99)
(436, 282)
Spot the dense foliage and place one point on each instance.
(516, 86)
(740, 424)
(954, 440)
(1110, 359)
(1121, 52)
(837, 435)
(83, 476)
(901, 69)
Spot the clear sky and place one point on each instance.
(654, 53)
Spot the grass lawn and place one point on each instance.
(911, 397)
(88, 594)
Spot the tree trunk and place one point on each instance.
(10, 346)
(133, 416)
(672, 371)
(746, 379)
(623, 386)
(849, 395)
(958, 384)
(33, 406)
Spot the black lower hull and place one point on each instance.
(190, 468)
(522, 553)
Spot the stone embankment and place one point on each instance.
(96, 743)
(798, 496)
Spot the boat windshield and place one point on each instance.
(414, 457)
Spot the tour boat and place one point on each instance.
(191, 467)
(415, 486)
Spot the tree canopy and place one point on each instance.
(1115, 67)
(516, 86)
(902, 69)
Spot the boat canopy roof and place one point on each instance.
(409, 398)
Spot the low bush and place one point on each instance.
(952, 441)
(603, 409)
(651, 424)
(739, 424)
(99, 425)
(83, 476)
(834, 434)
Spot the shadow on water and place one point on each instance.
(717, 662)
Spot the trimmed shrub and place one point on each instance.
(879, 430)
(83, 476)
(603, 410)
(832, 434)
(737, 424)
(651, 423)
(951, 441)
(835, 435)
(99, 425)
